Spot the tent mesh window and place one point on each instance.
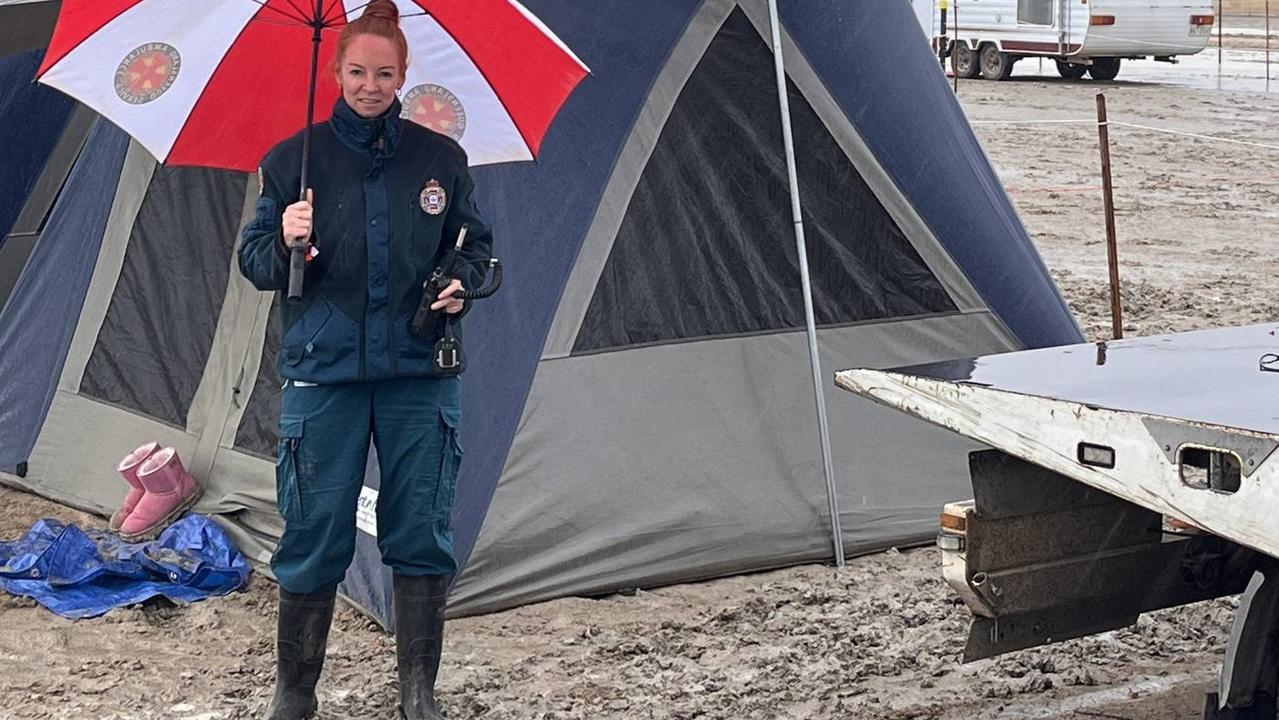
(260, 425)
(707, 247)
(158, 332)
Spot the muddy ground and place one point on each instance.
(879, 638)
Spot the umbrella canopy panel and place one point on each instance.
(219, 85)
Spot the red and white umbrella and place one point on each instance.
(217, 83)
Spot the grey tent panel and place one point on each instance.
(260, 424)
(26, 25)
(13, 258)
(655, 503)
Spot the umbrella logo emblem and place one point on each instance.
(147, 73)
(435, 108)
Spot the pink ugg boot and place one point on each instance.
(170, 491)
(128, 469)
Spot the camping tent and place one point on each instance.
(638, 404)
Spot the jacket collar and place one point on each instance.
(375, 137)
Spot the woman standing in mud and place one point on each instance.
(387, 196)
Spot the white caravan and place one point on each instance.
(1083, 36)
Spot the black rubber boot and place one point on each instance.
(301, 637)
(419, 639)
(1263, 707)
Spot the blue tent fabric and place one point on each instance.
(84, 573)
(26, 152)
(39, 321)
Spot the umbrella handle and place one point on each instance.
(297, 266)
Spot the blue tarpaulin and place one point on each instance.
(83, 573)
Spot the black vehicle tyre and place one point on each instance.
(963, 60)
(1104, 68)
(1071, 71)
(995, 65)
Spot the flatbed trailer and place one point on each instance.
(1122, 477)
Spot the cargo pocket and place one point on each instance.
(450, 460)
(287, 468)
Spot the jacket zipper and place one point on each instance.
(391, 308)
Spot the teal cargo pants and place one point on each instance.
(323, 451)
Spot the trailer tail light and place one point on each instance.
(1095, 455)
(1102, 20)
(1201, 19)
(954, 526)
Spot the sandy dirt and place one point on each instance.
(880, 638)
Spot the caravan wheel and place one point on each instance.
(1071, 71)
(1104, 68)
(963, 60)
(995, 65)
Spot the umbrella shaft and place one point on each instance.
(297, 259)
(316, 26)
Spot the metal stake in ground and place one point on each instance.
(941, 39)
(1108, 195)
(955, 45)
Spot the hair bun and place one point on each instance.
(385, 9)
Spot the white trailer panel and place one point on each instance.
(1081, 32)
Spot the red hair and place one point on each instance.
(380, 18)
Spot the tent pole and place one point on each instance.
(809, 321)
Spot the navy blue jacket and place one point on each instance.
(377, 243)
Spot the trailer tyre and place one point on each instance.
(1104, 68)
(995, 65)
(1071, 71)
(963, 60)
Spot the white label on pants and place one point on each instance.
(366, 511)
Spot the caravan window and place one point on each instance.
(1035, 12)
